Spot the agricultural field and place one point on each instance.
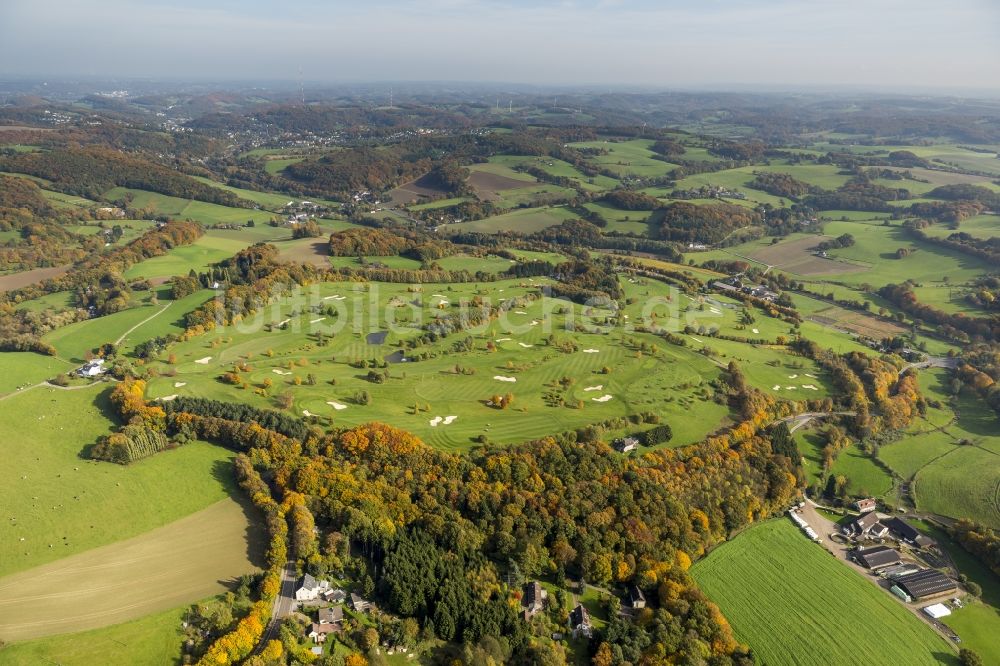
(199, 211)
(787, 597)
(186, 560)
(525, 220)
(151, 640)
(58, 504)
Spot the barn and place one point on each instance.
(876, 557)
(925, 583)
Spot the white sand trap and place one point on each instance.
(306, 412)
(599, 387)
(503, 339)
(591, 351)
(434, 421)
(336, 405)
(204, 361)
(793, 376)
(695, 339)
(282, 323)
(626, 316)
(714, 311)
(776, 388)
(179, 384)
(756, 330)
(448, 420)
(810, 376)
(500, 291)
(281, 372)
(603, 398)
(316, 321)
(443, 302)
(340, 298)
(525, 345)
(501, 378)
(535, 322)
(520, 312)
(168, 398)
(810, 387)
(437, 295)
(790, 388)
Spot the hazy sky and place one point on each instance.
(892, 43)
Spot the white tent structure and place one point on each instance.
(937, 611)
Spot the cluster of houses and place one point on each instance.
(330, 619)
(870, 525)
(534, 597)
(737, 284)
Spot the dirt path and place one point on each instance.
(149, 318)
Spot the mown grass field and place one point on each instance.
(22, 369)
(52, 495)
(525, 220)
(197, 256)
(669, 382)
(178, 563)
(795, 604)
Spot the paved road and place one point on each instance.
(284, 605)
(933, 362)
(796, 421)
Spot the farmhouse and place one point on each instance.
(94, 368)
(579, 621)
(876, 557)
(866, 505)
(636, 598)
(626, 444)
(334, 615)
(867, 525)
(335, 596)
(309, 588)
(533, 597)
(925, 583)
(906, 532)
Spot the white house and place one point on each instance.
(92, 369)
(310, 588)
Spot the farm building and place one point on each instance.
(94, 368)
(906, 532)
(898, 570)
(926, 583)
(876, 557)
(866, 505)
(867, 525)
(937, 611)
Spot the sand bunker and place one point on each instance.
(526, 346)
(434, 421)
(810, 387)
(501, 378)
(756, 330)
(789, 388)
(204, 361)
(306, 412)
(810, 376)
(520, 312)
(603, 398)
(168, 398)
(599, 387)
(503, 339)
(179, 384)
(281, 372)
(792, 376)
(776, 388)
(535, 322)
(336, 405)
(591, 351)
(282, 323)
(448, 420)
(316, 321)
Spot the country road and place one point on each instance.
(283, 606)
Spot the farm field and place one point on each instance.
(53, 496)
(180, 260)
(151, 640)
(527, 220)
(12, 281)
(200, 211)
(181, 562)
(787, 597)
